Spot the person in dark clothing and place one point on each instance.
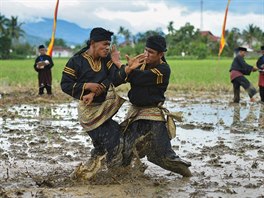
(260, 65)
(146, 131)
(43, 65)
(88, 76)
(238, 69)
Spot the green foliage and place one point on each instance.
(9, 34)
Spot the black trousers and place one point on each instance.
(48, 88)
(242, 81)
(107, 139)
(151, 139)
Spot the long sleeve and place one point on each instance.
(239, 64)
(69, 82)
(35, 64)
(115, 75)
(49, 66)
(154, 76)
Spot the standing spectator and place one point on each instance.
(43, 65)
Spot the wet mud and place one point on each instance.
(41, 144)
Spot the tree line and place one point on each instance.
(186, 41)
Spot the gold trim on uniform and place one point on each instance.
(103, 85)
(69, 71)
(109, 64)
(95, 66)
(159, 75)
(82, 91)
(142, 67)
(73, 88)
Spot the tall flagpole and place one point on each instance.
(51, 44)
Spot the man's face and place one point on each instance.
(102, 48)
(42, 51)
(152, 56)
(242, 53)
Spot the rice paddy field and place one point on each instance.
(210, 75)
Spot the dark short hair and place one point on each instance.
(157, 43)
(100, 34)
(262, 47)
(41, 47)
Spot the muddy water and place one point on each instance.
(41, 144)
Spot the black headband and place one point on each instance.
(157, 43)
(100, 34)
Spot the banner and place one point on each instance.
(50, 47)
(222, 41)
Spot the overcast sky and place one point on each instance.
(141, 15)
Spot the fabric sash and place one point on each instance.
(153, 113)
(95, 114)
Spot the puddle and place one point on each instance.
(41, 144)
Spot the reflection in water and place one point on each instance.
(261, 117)
(236, 116)
(250, 120)
(45, 115)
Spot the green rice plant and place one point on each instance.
(185, 74)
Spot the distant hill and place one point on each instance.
(40, 32)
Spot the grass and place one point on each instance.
(198, 75)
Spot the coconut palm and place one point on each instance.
(14, 28)
(250, 34)
(3, 24)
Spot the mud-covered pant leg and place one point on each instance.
(236, 90)
(107, 138)
(249, 88)
(150, 138)
(161, 149)
(133, 132)
(162, 154)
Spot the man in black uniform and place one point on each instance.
(43, 65)
(146, 129)
(88, 76)
(238, 69)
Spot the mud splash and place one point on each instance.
(42, 143)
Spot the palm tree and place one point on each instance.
(250, 34)
(126, 33)
(14, 28)
(170, 27)
(3, 24)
